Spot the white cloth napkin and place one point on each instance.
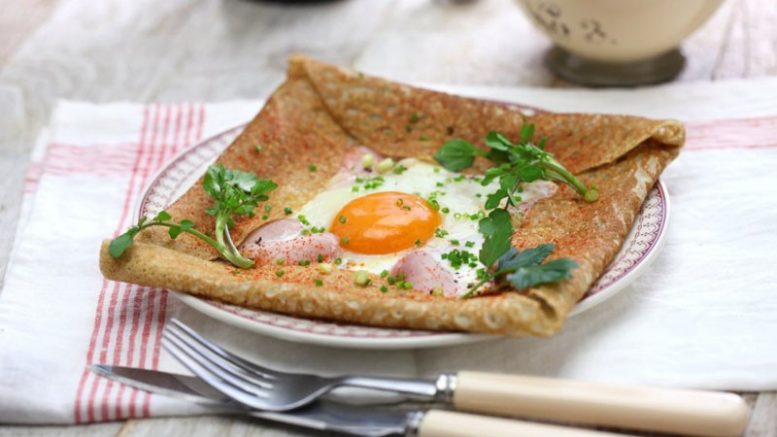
(704, 315)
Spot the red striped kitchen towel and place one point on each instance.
(58, 314)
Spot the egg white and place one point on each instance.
(462, 196)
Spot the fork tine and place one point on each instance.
(224, 369)
(216, 349)
(234, 392)
(219, 360)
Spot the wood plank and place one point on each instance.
(763, 421)
(208, 426)
(19, 19)
(94, 430)
(12, 169)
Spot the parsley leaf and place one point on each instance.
(497, 141)
(121, 243)
(497, 230)
(494, 199)
(551, 271)
(456, 155)
(513, 259)
(498, 218)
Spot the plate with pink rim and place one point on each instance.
(640, 247)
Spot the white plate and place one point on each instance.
(181, 172)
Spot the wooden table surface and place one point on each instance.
(177, 50)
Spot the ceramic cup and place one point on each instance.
(617, 42)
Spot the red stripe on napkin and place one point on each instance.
(746, 133)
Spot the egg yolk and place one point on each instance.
(385, 222)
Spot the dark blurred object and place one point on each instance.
(573, 68)
(293, 2)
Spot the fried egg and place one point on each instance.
(411, 219)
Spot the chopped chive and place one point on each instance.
(445, 210)
(287, 211)
(470, 244)
(391, 280)
(361, 278)
(385, 165)
(312, 167)
(257, 148)
(280, 261)
(345, 240)
(342, 219)
(320, 258)
(318, 282)
(384, 273)
(424, 138)
(279, 273)
(304, 262)
(338, 261)
(265, 217)
(383, 289)
(267, 208)
(414, 117)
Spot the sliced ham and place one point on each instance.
(283, 239)
(426, 272)
(352, 162)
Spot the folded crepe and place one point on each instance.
(320, 113)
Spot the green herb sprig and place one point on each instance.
(515, 164)
(525, 269)
(235, 193)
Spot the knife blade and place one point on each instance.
(323, 415)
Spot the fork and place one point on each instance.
(645, 408)
(266, 389)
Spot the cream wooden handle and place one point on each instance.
(438, 423)
(690, 412)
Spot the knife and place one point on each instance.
(325, 415)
